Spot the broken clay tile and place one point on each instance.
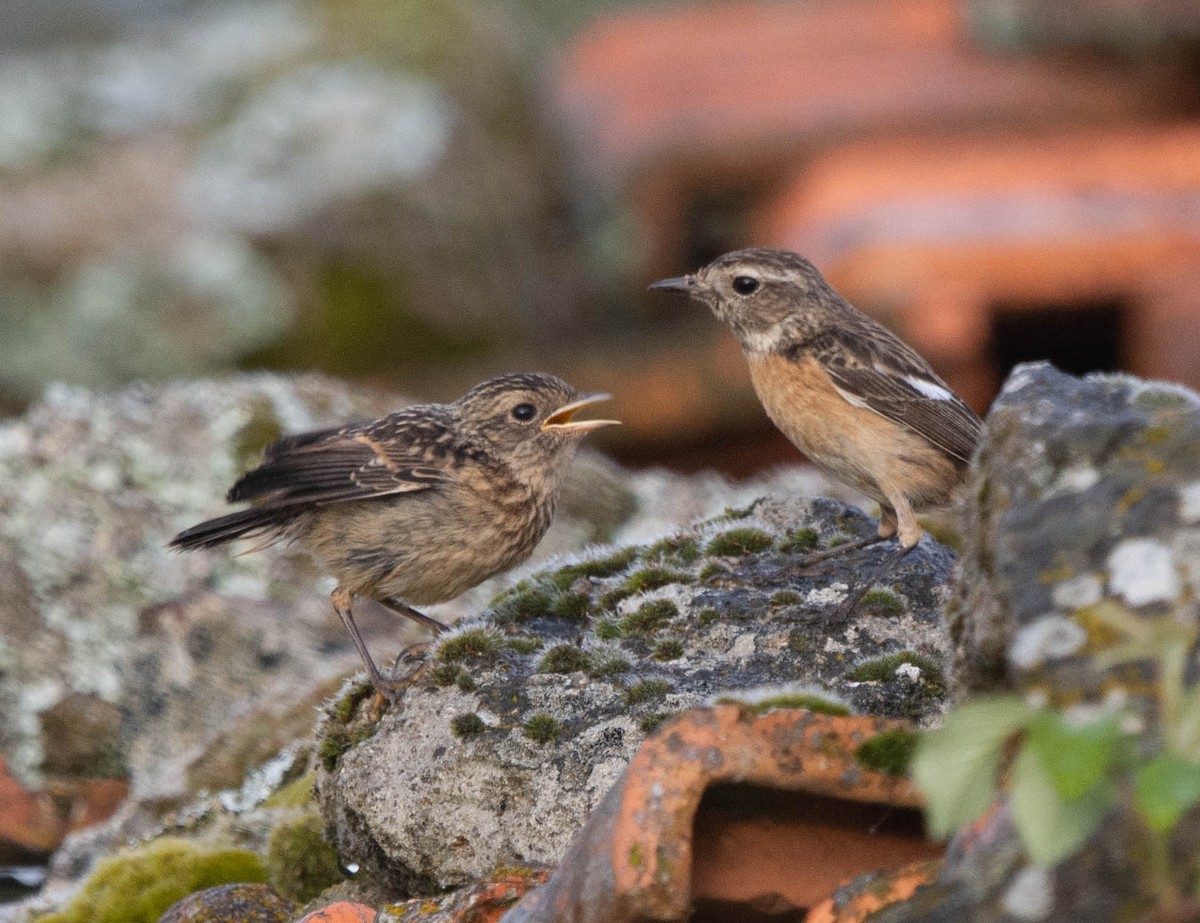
(722, 808)
(485, 902)
(29, 822)
(858, 900)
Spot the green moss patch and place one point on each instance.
(521, 603)
(467, 724)
(138, 886)
(564, 658)
(883, 670)
(883, 602)
(801, 642)
(798, 541)
(608, 629)
(524, 644)
(648, 617)
(680, 549)
(641, 581)
(890, 752)
(300, 862)
(342, 709)
(296, 794)
(607, 665)
(739, 542)
(646, 690)
(607, 566)
(811, 701)
(542, 728)
(653, 721)
(707, 616)
(670, 649)
(345, 728)
(786, 598)
(472, 644)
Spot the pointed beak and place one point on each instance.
(685, 284)
(561, 420)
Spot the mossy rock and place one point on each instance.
(138, 886)
(300, 863)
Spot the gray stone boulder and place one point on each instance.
(117, 656)
(1084, 490)
(512, 728)
(1083, 514)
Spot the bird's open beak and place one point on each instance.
(561, 419)
(685, 284)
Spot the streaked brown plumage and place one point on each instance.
(421, 505)
(854, 398)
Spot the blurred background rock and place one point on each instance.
(424, 193)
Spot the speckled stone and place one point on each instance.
(240, 903)
(1083, 494)
(516, 725)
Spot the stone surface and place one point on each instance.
(1080, 536)
(118, 657)
(239, 903)
(282, 173)
(1081, 497)
(513, 727)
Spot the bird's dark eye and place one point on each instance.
(745, 285)
(524, 412)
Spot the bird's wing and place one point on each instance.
(872, 368)
(407, 452)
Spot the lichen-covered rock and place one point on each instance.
(140, 885)
(1086, 491)
(351, 184)
(237, 903)
(513, 726)
(118, 657)
(1082, 532)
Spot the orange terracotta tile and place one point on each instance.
(723, 806)
(29, 820)
(883, 892)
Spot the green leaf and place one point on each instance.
(1075, 756)
(1051, 827)
(956, 765)
(1185, 736)
(1164, 789)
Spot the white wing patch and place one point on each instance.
(853, 399)
(929, 389)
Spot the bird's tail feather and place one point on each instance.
(242, 524)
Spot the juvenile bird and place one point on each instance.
(861, 404)
(421, 505)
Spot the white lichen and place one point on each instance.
(1143, 571)
(1030, 894)
(1189, 503)
(1077, 592)
(1051, 637)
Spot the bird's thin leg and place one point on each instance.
(838, 550)
(404, 609)
(847, 605)
(898, 519)
(342, 601)
(887, 528)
